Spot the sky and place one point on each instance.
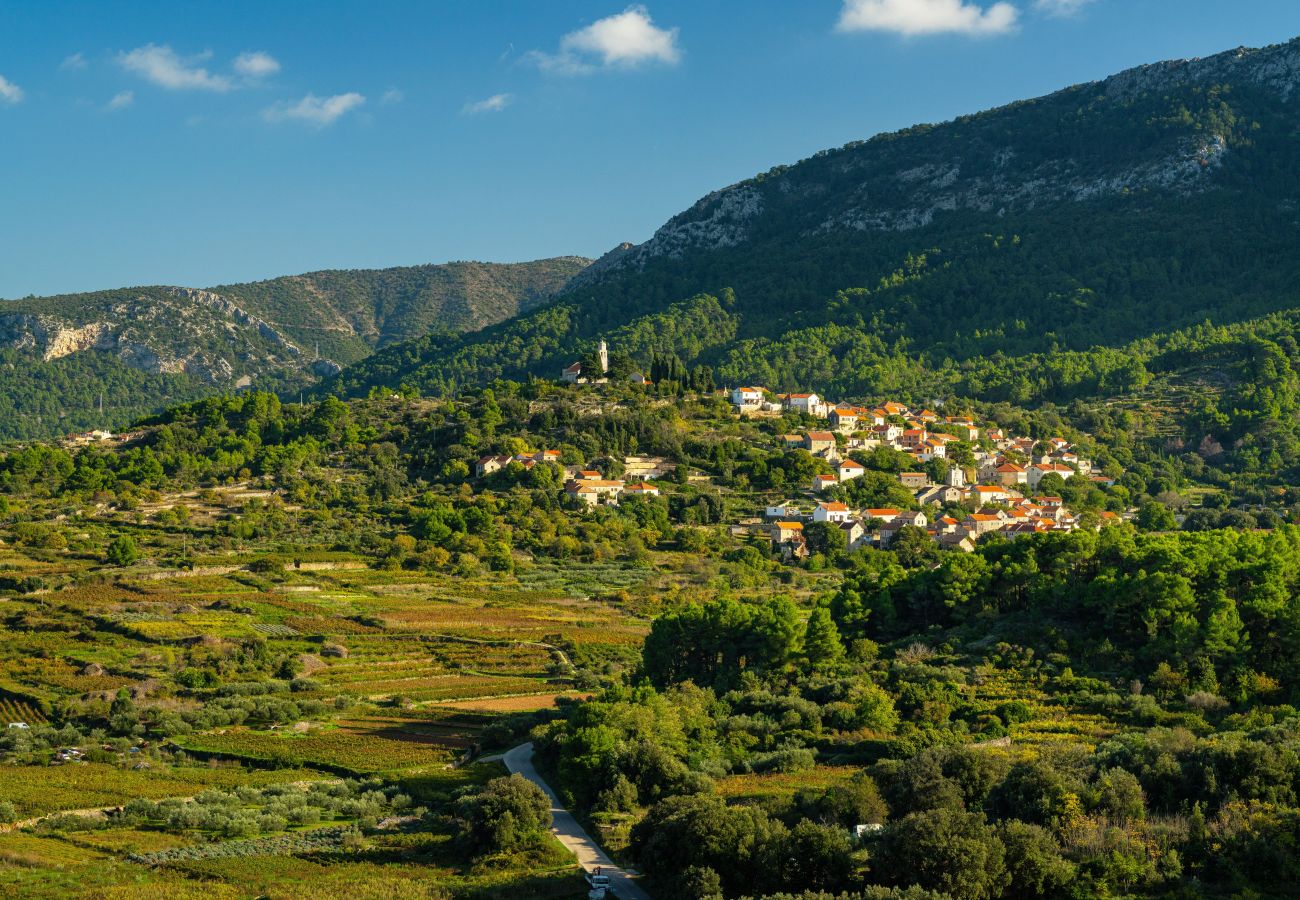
(203, 143)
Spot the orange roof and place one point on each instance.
(821, 436)
(912, 475)
(989, 489)
(801, 396)
(790, 526)
(641, 486)
(850, 464)
(834, 507)
(589, 484)
(1009, 467)
(881, 513)
(983, 517)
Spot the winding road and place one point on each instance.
(566, 828)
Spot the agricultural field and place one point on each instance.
(233, 674)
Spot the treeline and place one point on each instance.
(1207, 612)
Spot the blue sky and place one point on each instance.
(207, 142)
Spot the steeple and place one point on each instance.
(604, 359)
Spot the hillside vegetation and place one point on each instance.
(142, 348)
(1102, 215)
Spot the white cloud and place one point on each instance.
(74, 63)
(256, 64)
(165, 68)
(391, 97)
(623, 40)
(318, 111)
(918, 17)
(121, 100)
(495, 103)
(1061, 8)
(10, 92)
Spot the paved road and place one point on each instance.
(571, 834)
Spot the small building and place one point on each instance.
(641, 489)
(786, 510)
(914, 480)
(783, 532)
(1039, 471)
(988, 493)
(488, 464)
(911, 517)
(854, 534)
(982, 523)
(819, 441)
(822, 482)
(831, 512)
(747, 398)
(849, 469)
(1009, 474)
(595, 491)
(846, 419)
(809, 404)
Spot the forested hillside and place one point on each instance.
(1102, 215)
(142, 348)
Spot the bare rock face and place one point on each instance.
(170, 330)
(64, 341)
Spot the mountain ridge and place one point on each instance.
(727, 209)
(1096, 215)
(143, 347)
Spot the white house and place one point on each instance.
(822, 482)
(832, 512)
(747, 398)
(848, 470)
(806, 403)
(594, 491)
(786, 510)
(1038, 471)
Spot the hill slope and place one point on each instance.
(148, 346)
(1104, 213)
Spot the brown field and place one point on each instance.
(511, 704)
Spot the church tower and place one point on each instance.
(604, 359)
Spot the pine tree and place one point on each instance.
(822, 645)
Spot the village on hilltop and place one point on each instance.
(1001, 483)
